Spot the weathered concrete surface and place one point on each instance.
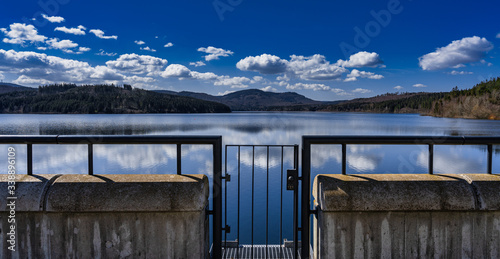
(128, 193)
(109, 216)
(356, 220)
(30, 191)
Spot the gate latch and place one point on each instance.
(291, 179)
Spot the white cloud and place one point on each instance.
(105, 73)
(498, 36)
(454, 72)
(339, 91)
(269, 89)
(53, 19)
(315, 67)
(419, 85)
(234, 82)
(41, 48)
(257, 78)
(204, 76)
(83, 49)
(361, 91)
(104, 53)
(168, 45)
(139, 42)
(225, 93)
(458, 52)
(197, 63)
(214, 53)
(55, 43)
(264, 64)
(100, 34)
(80, 30)
(361, 59)
(353, 76)
(2, 77)
(176, 70)
(302, 86)
(25, 80)
(398, 87)
(20, 33)
(138, 64)
(147, 48)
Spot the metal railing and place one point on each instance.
(430, 141)
(90, 140)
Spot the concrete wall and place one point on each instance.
(407, 216)
(107, 216)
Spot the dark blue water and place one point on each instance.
(250, 128)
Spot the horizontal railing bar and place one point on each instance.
(260, 145)
(108, 139)
(400, 140)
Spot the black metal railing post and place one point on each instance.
(217, 199)
(306, 202)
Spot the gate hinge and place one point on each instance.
(227, 229)
(227, 177)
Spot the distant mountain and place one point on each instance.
(9, 87)
(69, 98)
(253, 99)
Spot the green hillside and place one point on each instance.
(88, 99)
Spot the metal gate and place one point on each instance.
(260, 208)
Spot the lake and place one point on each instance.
(260, 128)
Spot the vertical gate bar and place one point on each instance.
(30, 159)
(431, 158)
(344, 159)
(281, 206)
(217, 198)
(91, 159)
(253, 168)
(267, 202)
(238, 234)
(306, 186)
(179, 159)
(295, 207)
(490, 158)
(225, 204)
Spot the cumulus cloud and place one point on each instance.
(214, 53)
(168, 45)
(80, 30)
(315, 67)
(20, 33)
(234, 82)
(100, 34)
(197, 63)
(139, 42)
(455, 72)
(138, 64)
(361, 91)
(355, 74)
(55, 43)
(362, 59)
(105, 73)
(25, 80)
(398, 87)
(458, 52)
(147, 48)
(204, 76)
(302, 86)
(104, 53)
(419, 85)
(176, 70)
(269, 89)
(53, 19)
(264, 64)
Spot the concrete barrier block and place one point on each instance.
(393, 192)
(107, 193)
(487, 188)
(29, 191)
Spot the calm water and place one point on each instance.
(249, 128)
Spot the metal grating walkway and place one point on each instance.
(259, 252)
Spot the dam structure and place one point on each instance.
(201, 214)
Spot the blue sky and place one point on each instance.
(325, 50)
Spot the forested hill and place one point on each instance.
(480, 102)
(87, 99)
